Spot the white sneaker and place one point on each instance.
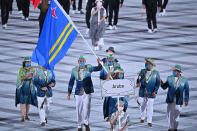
(23, 17)
(155, 30)
(115, 27)
(26, 18)
(150, 31)
(20, 12)
(4, 26)
(96, 48)
(74, 12)
(87, 31)
(101, 42)
(77, 12)
(110, 27)
(82, 12)
(164, 12)
(160, 13)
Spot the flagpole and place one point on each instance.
(67, 16)
(93, 52)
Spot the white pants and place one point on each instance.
(43, 113)
(146, 108)
(173, 111)
(83, 109)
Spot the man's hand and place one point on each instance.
(99, 61)
(44, 88)
(186, 103)
(159, 8)
(160, 80)
(72, 2)
(138, 84)
(30, 75)
(153, 94)
(144, 6)
(68, 97)
(120, 5)
(52, 85)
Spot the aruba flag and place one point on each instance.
(57, 35)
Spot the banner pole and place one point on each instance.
(93, 52)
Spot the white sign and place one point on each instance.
(119, 87)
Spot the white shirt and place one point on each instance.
(148, 73)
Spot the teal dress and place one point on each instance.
(25, 90)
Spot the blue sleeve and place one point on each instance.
(157, 83)
(71, 83)
(96, 68)
(186, 91)
(103, 74)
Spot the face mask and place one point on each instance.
(174, 74)
(147, 66)
(99, 4)
(110, 63)
(27, 65)
(120, 76)
(110, 54)
(82, 64)
(121, 108)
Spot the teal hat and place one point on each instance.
(27, 58)
(81, 58)
(178, 67)
(151, 60)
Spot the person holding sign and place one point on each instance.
(119, 74)
(148, 82)
(110, 66)
(124, 118)
(178, 88)
(84, 87)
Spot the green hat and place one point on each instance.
(151, 60)
(81, 58)
(120, 70)
(27, 58)
(178, 67)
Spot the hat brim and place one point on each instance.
(150, 62)
(177, 69)
(110, 50)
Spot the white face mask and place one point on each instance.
(121, 108)
(99, 4)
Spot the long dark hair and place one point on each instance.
(23, 64)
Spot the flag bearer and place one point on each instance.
(84, 87)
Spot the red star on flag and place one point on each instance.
(53, 12)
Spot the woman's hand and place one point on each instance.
(44, 88)
(52, 85)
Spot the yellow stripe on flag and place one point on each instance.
(60, 37)
(59, 48)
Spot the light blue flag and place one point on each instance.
(57, 35)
